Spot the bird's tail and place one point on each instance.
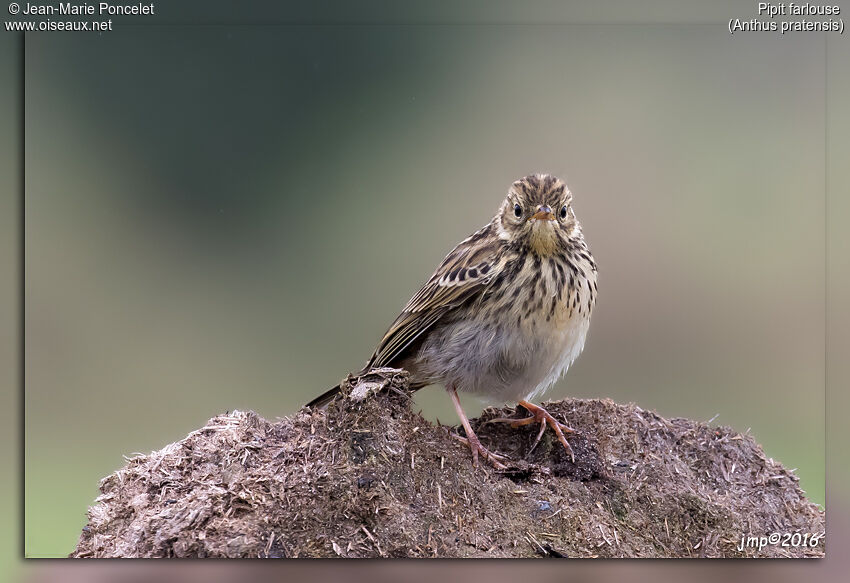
(324, 398)
(382, 377)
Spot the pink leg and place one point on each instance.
(471, 438)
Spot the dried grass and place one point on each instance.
(368, 477)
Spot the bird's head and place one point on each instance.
(537, 213)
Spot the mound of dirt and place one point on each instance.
(368, 477)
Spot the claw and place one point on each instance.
(471, 439)
(542, 416)
(493, 458)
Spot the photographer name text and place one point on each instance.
(784, 539)
(100, 9)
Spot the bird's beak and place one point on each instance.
(544, 213)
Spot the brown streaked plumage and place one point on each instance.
(505, 313)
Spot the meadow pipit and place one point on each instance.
(506, 312)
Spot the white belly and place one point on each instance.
(503, 364)
(556, 357)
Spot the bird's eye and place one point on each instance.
(517, 211)
(563, 212)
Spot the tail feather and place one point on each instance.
(324, 398)
(385, 376)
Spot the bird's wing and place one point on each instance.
(463, 275)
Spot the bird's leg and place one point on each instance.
(542, 416)
(472, 439)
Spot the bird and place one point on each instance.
(504, 315)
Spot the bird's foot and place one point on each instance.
(544, 418)
(471, 439)
(474, 444)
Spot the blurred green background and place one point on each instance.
(230, 216)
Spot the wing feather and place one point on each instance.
(463, 275)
